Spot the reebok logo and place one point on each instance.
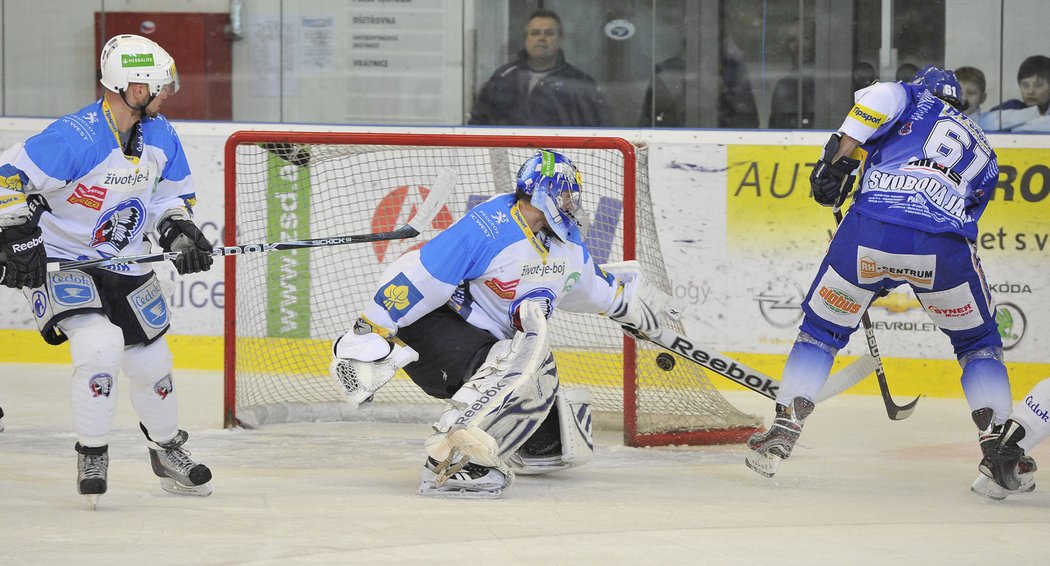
(19, 248)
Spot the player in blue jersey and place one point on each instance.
(927, 173)
(92, 184)
(466, 317)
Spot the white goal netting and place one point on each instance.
(285, 308)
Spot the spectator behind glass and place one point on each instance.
(784, 105)
(905, 72)
(974, 93)
(1029, 113)
(736, 102)
(538, 88)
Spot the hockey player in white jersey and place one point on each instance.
(466, 317)
(93, 183)
(927, 174)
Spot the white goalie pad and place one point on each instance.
(575, 424)
(508, 396)
(358, 380)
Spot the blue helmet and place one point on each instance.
(553, 183)
(942, 84)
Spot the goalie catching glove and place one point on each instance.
(831, 182)
(364, 361)
(23, 261)
(179, 234)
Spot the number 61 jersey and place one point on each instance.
(925, 164)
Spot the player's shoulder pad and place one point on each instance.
(159, 132)
(492, 218)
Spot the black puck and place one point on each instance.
(665, 361)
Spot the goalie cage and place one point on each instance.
(283, 309)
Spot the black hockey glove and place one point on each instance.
(23, 261)
(831, 182)
(181, 235)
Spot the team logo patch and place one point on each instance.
(39, 304)
(543, 295)
(71, 288)
(398, 296)
(503, 289)
(164, 387)
(905, 129)
(118, 226)
(90, 197)
(101, 384)
(570, 282)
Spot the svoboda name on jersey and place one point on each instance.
(553, 269)
(943, 197)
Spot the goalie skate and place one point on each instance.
(770, 447)
(178, 474)
(456, 477)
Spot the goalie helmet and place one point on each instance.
(942, 84)
(130, 59)
(553, 184)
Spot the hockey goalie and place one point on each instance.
(466, 317)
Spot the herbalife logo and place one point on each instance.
(136, 60)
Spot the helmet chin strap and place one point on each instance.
(141, 109)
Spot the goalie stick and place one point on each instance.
(751, 378)
(425, 213)
(894, 411)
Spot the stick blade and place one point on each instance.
(847, 377)
(900, 412)
(440, 189)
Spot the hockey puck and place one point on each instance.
(665, 361)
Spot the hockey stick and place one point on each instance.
(751, 378)
(894, 411)
(425, 213)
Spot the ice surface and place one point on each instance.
(859, 489)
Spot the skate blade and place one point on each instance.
(448, 492)
(985, 487)
(763, 464)
(171, 486)
(93, 500)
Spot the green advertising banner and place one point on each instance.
(287, 272)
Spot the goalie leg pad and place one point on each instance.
(574, 425)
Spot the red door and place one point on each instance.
(202, 55)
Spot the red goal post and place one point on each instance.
(283, 309)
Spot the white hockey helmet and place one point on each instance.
(134, 59)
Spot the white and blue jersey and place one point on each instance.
(99, 198)
(484, 266)
(926, 165)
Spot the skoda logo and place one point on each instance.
(1012, 324)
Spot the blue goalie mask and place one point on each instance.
(942, 84)
(553, 184)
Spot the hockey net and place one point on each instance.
(284, 309)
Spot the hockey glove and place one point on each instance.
(832, 182)
(636, 318)
(23, 261)
(182, 235)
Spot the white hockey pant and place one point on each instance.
(97, 349)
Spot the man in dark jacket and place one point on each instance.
(539, 88)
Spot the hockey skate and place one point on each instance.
(92, 469)
(1003, 461)
(458, 478)
(770, 447)
(177, 472)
